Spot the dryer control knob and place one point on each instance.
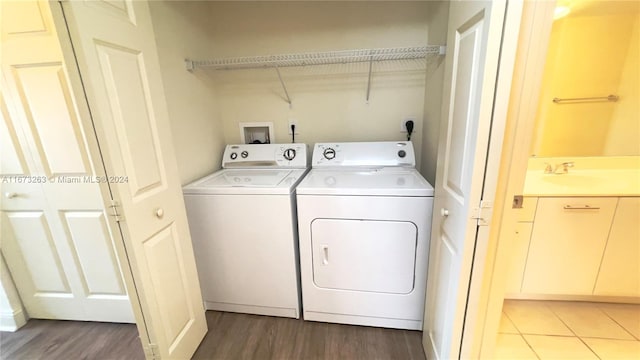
(244, 154)
(402, 153)
(234, 155)
(289, 154)
(329, 153)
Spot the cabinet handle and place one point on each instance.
(585, 207)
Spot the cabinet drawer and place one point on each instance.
(567, 244)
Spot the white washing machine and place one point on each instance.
(244, 230)
(364, 215)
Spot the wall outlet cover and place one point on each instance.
(293, 122)
(403, 122)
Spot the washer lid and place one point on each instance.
(376, 182)
(246, 181)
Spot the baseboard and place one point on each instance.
(589, 298)
(252, 309)
(363, 320)
(12, 321)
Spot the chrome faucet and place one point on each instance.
(561, 166)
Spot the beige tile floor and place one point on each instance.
(568, 330)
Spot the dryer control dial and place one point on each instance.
(289, 154)
(244, 154)
(329, 153)
(234, 155)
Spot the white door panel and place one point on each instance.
(115, 50)
(129, 99)
(44, 269)
(12, 161)
(470, 74)
(54, 227)
(93, 251)
(48, 109)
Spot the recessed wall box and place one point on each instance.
(257, 133)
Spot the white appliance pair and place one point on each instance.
(364, 216)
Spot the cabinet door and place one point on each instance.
(567, 243)
(518, 257)
(364, 255)
(620, 270)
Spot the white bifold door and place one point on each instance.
(55, 234)
(473, 47)
(116, 53)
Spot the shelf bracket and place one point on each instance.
(369, 79)
(286, 93)
(189, 65)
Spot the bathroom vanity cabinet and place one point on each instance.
(576, 246)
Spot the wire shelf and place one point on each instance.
(318, 58)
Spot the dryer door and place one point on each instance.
(364, 255)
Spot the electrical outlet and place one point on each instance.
(403, 124)
(293, 122)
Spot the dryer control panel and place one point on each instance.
(293, 156)
(364, 154)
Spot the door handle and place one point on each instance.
(11, 195)
(325, 254)
(444, 212)
(159, 213)
(585, 207)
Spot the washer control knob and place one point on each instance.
(329, 153)
(234, 155)
(244, 154)
(289, 154)
(402, 153)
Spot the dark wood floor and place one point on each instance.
(241, 336)
(231, 336)
(50, 339)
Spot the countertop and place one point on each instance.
(615, 176)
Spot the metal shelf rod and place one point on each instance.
(611, 98)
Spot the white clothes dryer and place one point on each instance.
(244, 229)
(364, 215)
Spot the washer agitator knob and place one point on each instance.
(329, 153)
(289, 154)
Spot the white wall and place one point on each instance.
(438, 12)
(329, 101)
(182, 31)
(624, 127)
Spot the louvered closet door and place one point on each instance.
(55, 237)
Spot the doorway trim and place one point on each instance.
(487, 289)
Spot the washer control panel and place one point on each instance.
(265, 156)
(364, 154)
